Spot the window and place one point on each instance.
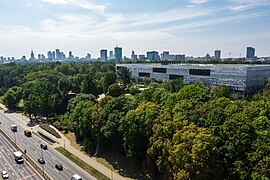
(199, 72)
(142, 74)
(160, 70)
(173, 76)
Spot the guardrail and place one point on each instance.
(27, 158)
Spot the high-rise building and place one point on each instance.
(165, 55)
(118, 53)
(152, 56)
(88, 56)
(250, 52)
(217, 54)
(70, 56)
(49, 55)
(57, 54)
(53, 55)
(32, 55)
(103, 55)
(180, 57)
(133, 56)
(111, 55)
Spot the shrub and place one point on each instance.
(50, 130)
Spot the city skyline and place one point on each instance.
(191, 27)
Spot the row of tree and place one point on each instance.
(178, 131)
(174, 131)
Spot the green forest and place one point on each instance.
(171, 130)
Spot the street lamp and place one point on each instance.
(43, 147)
(15, 138)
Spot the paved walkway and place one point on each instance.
(65, 143)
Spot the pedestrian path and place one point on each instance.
(65, 143)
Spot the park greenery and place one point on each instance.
(171, 130)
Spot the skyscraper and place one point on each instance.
(103, 55)
(32, 56)
(111, 55)
(250, 52)
(57, 54)
(165, 55)
(70, 55)
(153, 56)
(133, 56)
(118, 53)
(217, 54)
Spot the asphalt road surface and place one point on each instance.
(14, 170)
(32, 146)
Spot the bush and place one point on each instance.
(50, 130)
(134, 90)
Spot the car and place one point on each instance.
(59, 167)
(28, 133)
(44, 146)
(41, 161)
(76, 177)
(5, 175)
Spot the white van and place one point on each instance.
(13, 128)
(76, 177)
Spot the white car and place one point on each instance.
(5, 175)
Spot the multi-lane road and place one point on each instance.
(14, 170)
(32, 146)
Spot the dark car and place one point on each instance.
(41, 161)
(44, 146)
(59, 167)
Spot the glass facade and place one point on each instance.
(237, 77)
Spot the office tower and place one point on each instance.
(88, 56)
(250, 52)
(118, 53)
(217, 54)
(70, 55)
(165, 55)
(57, 54)
(23, 58)
(111, 55)
(133, 56)
(39, 56)
(49, 55)
(152, 56)
(142, 57)
(32, 55)
(103, 55)
(180, 57)
(53, 55)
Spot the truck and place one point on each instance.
(13, 128)
(27, 133)
(18, 157)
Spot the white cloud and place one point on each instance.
(55, 2)
(243, 5)
(198, 1)
(85, 4)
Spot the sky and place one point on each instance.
(191, 27)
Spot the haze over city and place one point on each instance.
(191, 27)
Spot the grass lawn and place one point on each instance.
(82, 164)
(73, 142)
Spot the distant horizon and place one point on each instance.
(190, 27)
(233, 55)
